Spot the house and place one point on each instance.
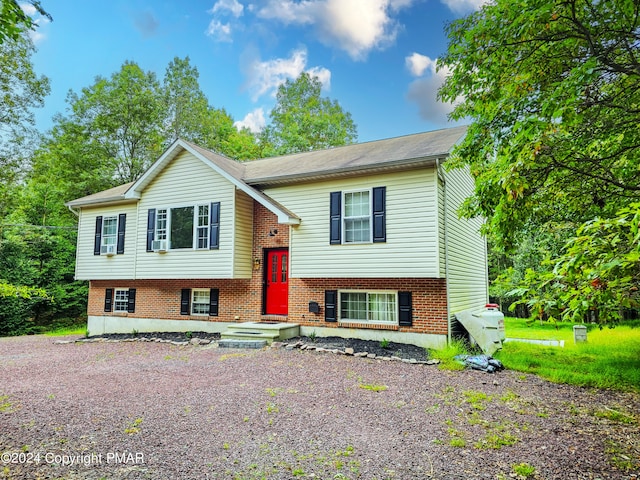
(357, 241)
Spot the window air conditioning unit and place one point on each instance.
(159, 246)
(108, 250)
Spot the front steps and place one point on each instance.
(269, 332)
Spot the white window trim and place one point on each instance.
(115, 300)
(197, 226)
(103, 237)
(344, 218)
(193, 303)
(194, 238)
(368, 292)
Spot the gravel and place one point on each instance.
(150, 410)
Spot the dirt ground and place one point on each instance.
(142, 410)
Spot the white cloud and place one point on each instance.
(220, 31)
(40, 21)
(418, 64)
(231, 6)
(254, 121)
(355, 26)
(424, 90)
(264, 77)
(462, 7)
(223, 8)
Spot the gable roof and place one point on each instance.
(377, 156)
(111, 196)
(380, 155)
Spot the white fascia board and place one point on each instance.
(176, 148)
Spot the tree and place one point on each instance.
(120, 119)
(21, 90)
(14, 21)
(302, 120)
(190, 117)
(552, 91)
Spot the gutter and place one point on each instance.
(441, 177)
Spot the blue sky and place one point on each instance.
(375, 57)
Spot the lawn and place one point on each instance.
(609, 359)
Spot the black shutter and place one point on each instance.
(405, 309)
(214, 226)
(122, 221)
(151, 228)
(330, 305)
(98, 239)
(108, 300)
(131, 303)
(379, 220)
(214, 295)
(185, 301)
(335, 218)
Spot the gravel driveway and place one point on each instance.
(159, 411)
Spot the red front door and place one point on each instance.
(277, 282)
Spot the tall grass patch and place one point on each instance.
(609, 359)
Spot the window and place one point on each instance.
(379, 307)
(121, 300)
(390, 308)
(203, 227)
(109, 230)
(200, 302)
(183, 227)
(161, 225)
(358, 216)
(109, 234)
(181, 232)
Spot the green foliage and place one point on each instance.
(551, 90)
(120, 118)
(595, 278)
(302, 120)
(44, 260)
(190, 117)
(524, 470)
(447, 354)
(14, 21)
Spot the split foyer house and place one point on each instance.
(357, 241)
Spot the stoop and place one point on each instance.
(257, 331)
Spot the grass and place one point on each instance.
(63, 331)
(609, 359)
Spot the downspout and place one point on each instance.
(73, 211)
(441, 177)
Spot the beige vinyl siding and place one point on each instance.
(187, 181)
(411, 249)
(242, 263)
(101, 267)
(442, 237)
(466, 249)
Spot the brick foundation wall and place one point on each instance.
(242, 299)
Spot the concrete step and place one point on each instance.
(235, 343)
(261, 331)
(247, 334)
